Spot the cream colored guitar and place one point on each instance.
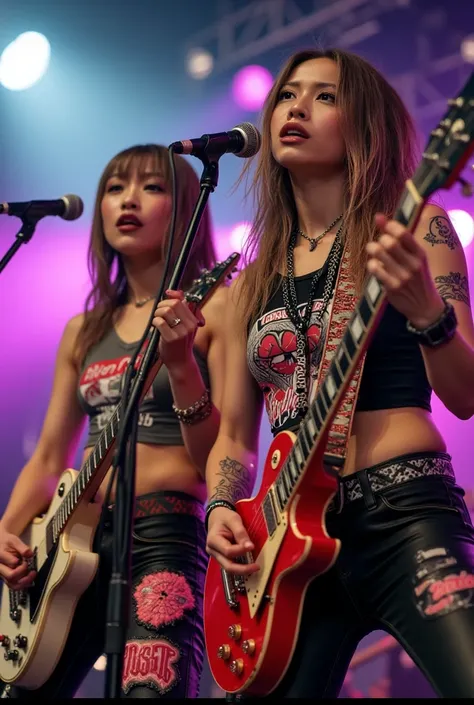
(35, 623)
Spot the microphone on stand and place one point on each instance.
(69, 207)
(243, 140)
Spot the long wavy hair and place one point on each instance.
(109, 283)
(380, 143)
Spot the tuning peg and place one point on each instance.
(462, 137)
(467, 188)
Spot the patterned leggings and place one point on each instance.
(165, 638)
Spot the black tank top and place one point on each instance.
(100, 388)
(394, 373)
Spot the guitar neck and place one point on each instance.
(95, 468)
(355, 340)
(361, 326)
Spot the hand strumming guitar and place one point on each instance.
(14, 566)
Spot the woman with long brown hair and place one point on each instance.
(337, 147)
(177, 425)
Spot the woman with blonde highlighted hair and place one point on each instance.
(337, 148)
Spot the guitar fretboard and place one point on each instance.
(84, 477)
(325, 402)
(329, 395)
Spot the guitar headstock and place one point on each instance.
(209, 279)
(449, 147)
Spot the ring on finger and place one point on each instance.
(175, 322)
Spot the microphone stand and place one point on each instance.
(23, 236)
(124, 461)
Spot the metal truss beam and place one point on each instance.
(418, 88)
(261, 25)
(247, 29)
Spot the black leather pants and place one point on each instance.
(406, 566)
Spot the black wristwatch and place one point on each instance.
(439, 332)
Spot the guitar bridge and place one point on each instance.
(229, 586)
(235, 584)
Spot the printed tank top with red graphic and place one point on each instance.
(394, 374)
(100, 389)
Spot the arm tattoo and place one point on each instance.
(454, 286)
(235, 481)
(442, 233)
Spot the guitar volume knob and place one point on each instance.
(235, 631)
(248, 646)
(237, 666)
(4, 641)
(11, 655)
(223, 652)
(15, 615)
(20, 641)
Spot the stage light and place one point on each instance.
(24, 61)
(101, 663)
(467, 49)
(238, 235)
(250, 87)
(199, 63)
(463, 224)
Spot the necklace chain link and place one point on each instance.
(301, 323)
(142, 302)
(314, 241)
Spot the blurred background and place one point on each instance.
(82, 79)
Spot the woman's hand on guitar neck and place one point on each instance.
(177, 322)
(229, 543)
(14, 566)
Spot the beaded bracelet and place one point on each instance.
(217, 503)
(200, 410)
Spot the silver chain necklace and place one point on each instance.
(313, 241)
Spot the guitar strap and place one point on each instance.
(343, 304)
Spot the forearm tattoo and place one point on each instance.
(235, 481)
(454, 286)
(441, 233)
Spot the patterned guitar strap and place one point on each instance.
(344, 302)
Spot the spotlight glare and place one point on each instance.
(24, 61)
(200, 63)
(250, 87)
(239, 234)
(467, 49)
(101, 663)
(463, 224)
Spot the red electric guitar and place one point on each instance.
(252, 623)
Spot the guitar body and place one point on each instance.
(45, 612)
(250, 642)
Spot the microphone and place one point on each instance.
(69, 207)
(243, 140)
